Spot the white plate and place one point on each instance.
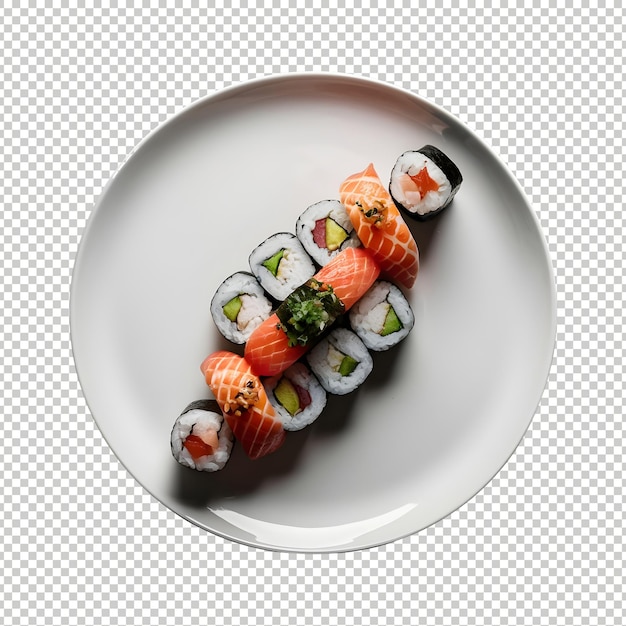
(440, 414)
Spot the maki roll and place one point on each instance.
(340, 361)
(296, 395)
(239, 306)
(200, 438)
(325, 229)
(423, 182)
(281, 264)
(382, 317)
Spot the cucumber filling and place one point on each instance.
(348, 365)
(392, 323)
(341, 363)
(274, 261)
(231, 308)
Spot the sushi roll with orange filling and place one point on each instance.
(424, 182)
(201, 439)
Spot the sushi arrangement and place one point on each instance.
(311, 310)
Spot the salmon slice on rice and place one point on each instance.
(380, 226)
(244, 403)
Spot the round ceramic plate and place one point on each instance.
(439, 415)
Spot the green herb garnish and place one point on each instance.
(308, 311)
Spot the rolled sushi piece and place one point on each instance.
(200, 438)
(281, 264)
(296, 395)
(382, 318)
(239, 306)
(325, 229)
(341, 361)
(424, 182)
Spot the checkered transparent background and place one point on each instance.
(82, 543)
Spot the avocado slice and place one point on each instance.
(274, 261)
(231, 308)
(392, 323)
(348, 365)
(335, 234)
(287, 395)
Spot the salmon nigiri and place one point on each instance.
(351, 274)
(380, 226)
(244, 403)
(271, 349)
(268, 350)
